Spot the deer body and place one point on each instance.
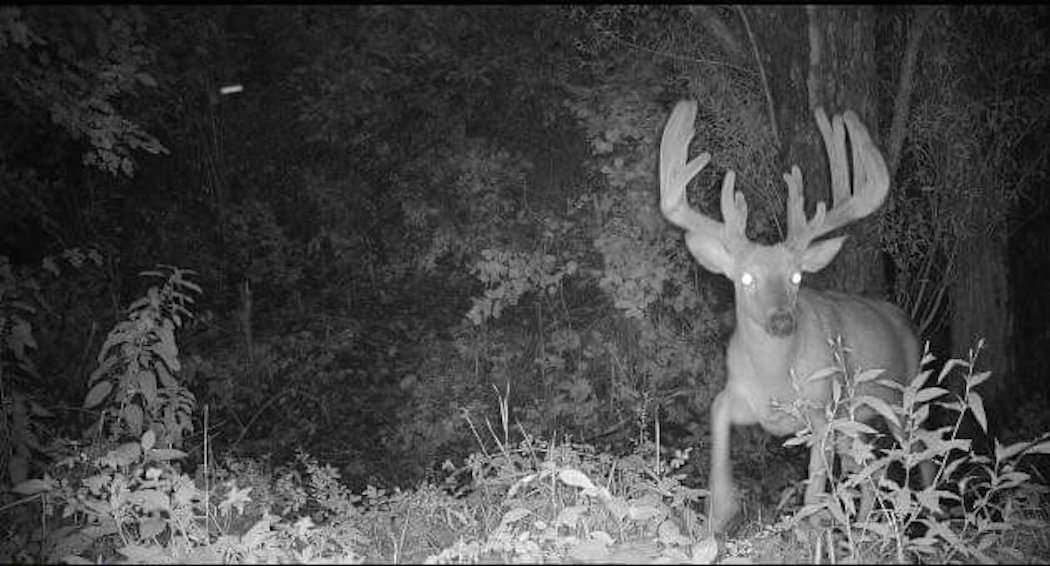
(756, 360)
(759, 379)
(785, 332)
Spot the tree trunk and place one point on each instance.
(980, 308)
(823, 56)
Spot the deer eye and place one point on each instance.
(796, 278)
(747, 279)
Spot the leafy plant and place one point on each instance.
(987, 495)
(135, 381)
(131, 504)
(543, 505)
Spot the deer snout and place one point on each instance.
(781, 323)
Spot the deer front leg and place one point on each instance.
(850, 467)
(820, 455)
(722, 505)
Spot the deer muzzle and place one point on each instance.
(781, 323)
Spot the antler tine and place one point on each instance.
(871, 181)
(675, 173)
(734, 213)
(835, 144)
(796, 211)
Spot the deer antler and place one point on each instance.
(675, 174)
(871, 181)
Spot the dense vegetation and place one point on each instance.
(407, 292)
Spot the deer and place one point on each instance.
(785, 331)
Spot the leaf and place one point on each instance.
(929, 393)
(151, 500)
(642, 512)
(930, 499)
(166, 379)
(948, 366)
(21, 337)
(575, 478)
(125, 454)
(977, 379)
(1040, 448)
(1003, 453)
(514, 515)
(920, 379)
(236, 498)
(34, 486)
(1010, 479)
(835, 506)
(920, 415)
(132, 415)
(852, 429)
(147, 383)
(98, 393)
(880, 529)
(668, 533)
(149, 438)
(165, 454)
(822, 374)
(705, 551)
(881, 407)
(868, 375)
(103, 368)
(118, 335)
(973, 399)
(151, 528)
(146, 79)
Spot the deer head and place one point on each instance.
(767, 278)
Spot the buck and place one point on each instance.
(784, 331)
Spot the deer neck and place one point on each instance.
(767, 354)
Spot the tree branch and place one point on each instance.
(762, 74)
(902, 102)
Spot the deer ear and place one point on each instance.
(710, 252)
(821, 253)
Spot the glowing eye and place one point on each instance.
(796, 278)
(747, 279)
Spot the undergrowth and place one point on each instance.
(975, 508)
(125, 493)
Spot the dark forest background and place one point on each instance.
(410, 215)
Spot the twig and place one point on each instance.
(762, 75)
(676, 57)
(902, 101)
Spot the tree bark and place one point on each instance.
(905, 86)
(981, 309)
(824, 56)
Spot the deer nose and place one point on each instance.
(781, 323)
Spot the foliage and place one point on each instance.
(988, 497)
(135, 381)
(545, 506)
(24, 296)
(969, 159)
(74, 64)
(131, 505)
(19, 431)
